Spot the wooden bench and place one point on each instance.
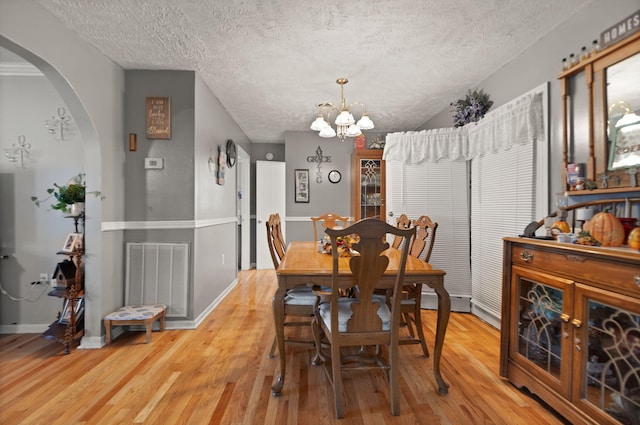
(135, 315)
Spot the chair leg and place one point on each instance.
(394, 379)
(148, 326)
(418, 321)
(107, 330)
(407, 322)
(337, 380)
(317, 338)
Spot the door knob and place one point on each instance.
(390, 213)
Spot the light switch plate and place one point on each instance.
(154, 163)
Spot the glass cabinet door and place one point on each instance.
(370, 184)
(370, 178)
(542, 333)
(609, 380)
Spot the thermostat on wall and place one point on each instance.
(153, 163)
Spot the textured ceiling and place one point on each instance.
(271, 62)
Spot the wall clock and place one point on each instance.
(231, 153)
(335, 176)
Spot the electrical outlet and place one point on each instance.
(44, 278)
(222, 258)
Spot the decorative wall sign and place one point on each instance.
(301, 185)
(222, 164)
(158, 118)
(319, 159)
(623, 29)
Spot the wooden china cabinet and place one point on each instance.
(571, 328)
(368, 177)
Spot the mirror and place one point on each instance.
(601, 120)
(623, 98)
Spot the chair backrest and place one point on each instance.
(425, 237)
(367, 268)
(277, 246)
(328, 221)
(402, 222)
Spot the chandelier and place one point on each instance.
(346, 125)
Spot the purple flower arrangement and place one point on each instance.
(472, 108)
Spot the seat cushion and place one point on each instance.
(344, 314)
(302, 295)
(136, 312)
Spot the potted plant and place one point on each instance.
(70, 197)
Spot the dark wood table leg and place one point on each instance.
(444, 310)
(278, 316)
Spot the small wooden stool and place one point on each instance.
(135, 315)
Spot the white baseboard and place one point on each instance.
(485, 314)
(24, 329)
(461, 304)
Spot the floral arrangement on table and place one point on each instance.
(344, 243)
(472, 108)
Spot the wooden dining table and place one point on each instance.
(303, 264)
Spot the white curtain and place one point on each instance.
(515, 123)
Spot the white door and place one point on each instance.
(243, 207)
(270, 198)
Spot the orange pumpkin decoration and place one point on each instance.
(560, 226)
(634, 239)
(606, 229)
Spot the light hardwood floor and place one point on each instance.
(220, 374)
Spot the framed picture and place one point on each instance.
(65, 316)
(301, 186)
(73, 242)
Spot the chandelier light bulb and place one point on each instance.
(327, 132)
(319, 123)
(345, 118)
(365, 122)
(353, 131)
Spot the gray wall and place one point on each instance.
(166, 194)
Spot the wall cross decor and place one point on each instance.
(19, 153)
(60, 126)
(319, 159)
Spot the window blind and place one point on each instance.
(502, 204)
(439, 190)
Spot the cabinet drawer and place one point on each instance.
(620, 277)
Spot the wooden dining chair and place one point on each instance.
(421, 247)
(356, 328)
(298, 301)
(402, 222)
(328, 221)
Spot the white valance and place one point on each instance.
(515, 123)
(414, 147)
